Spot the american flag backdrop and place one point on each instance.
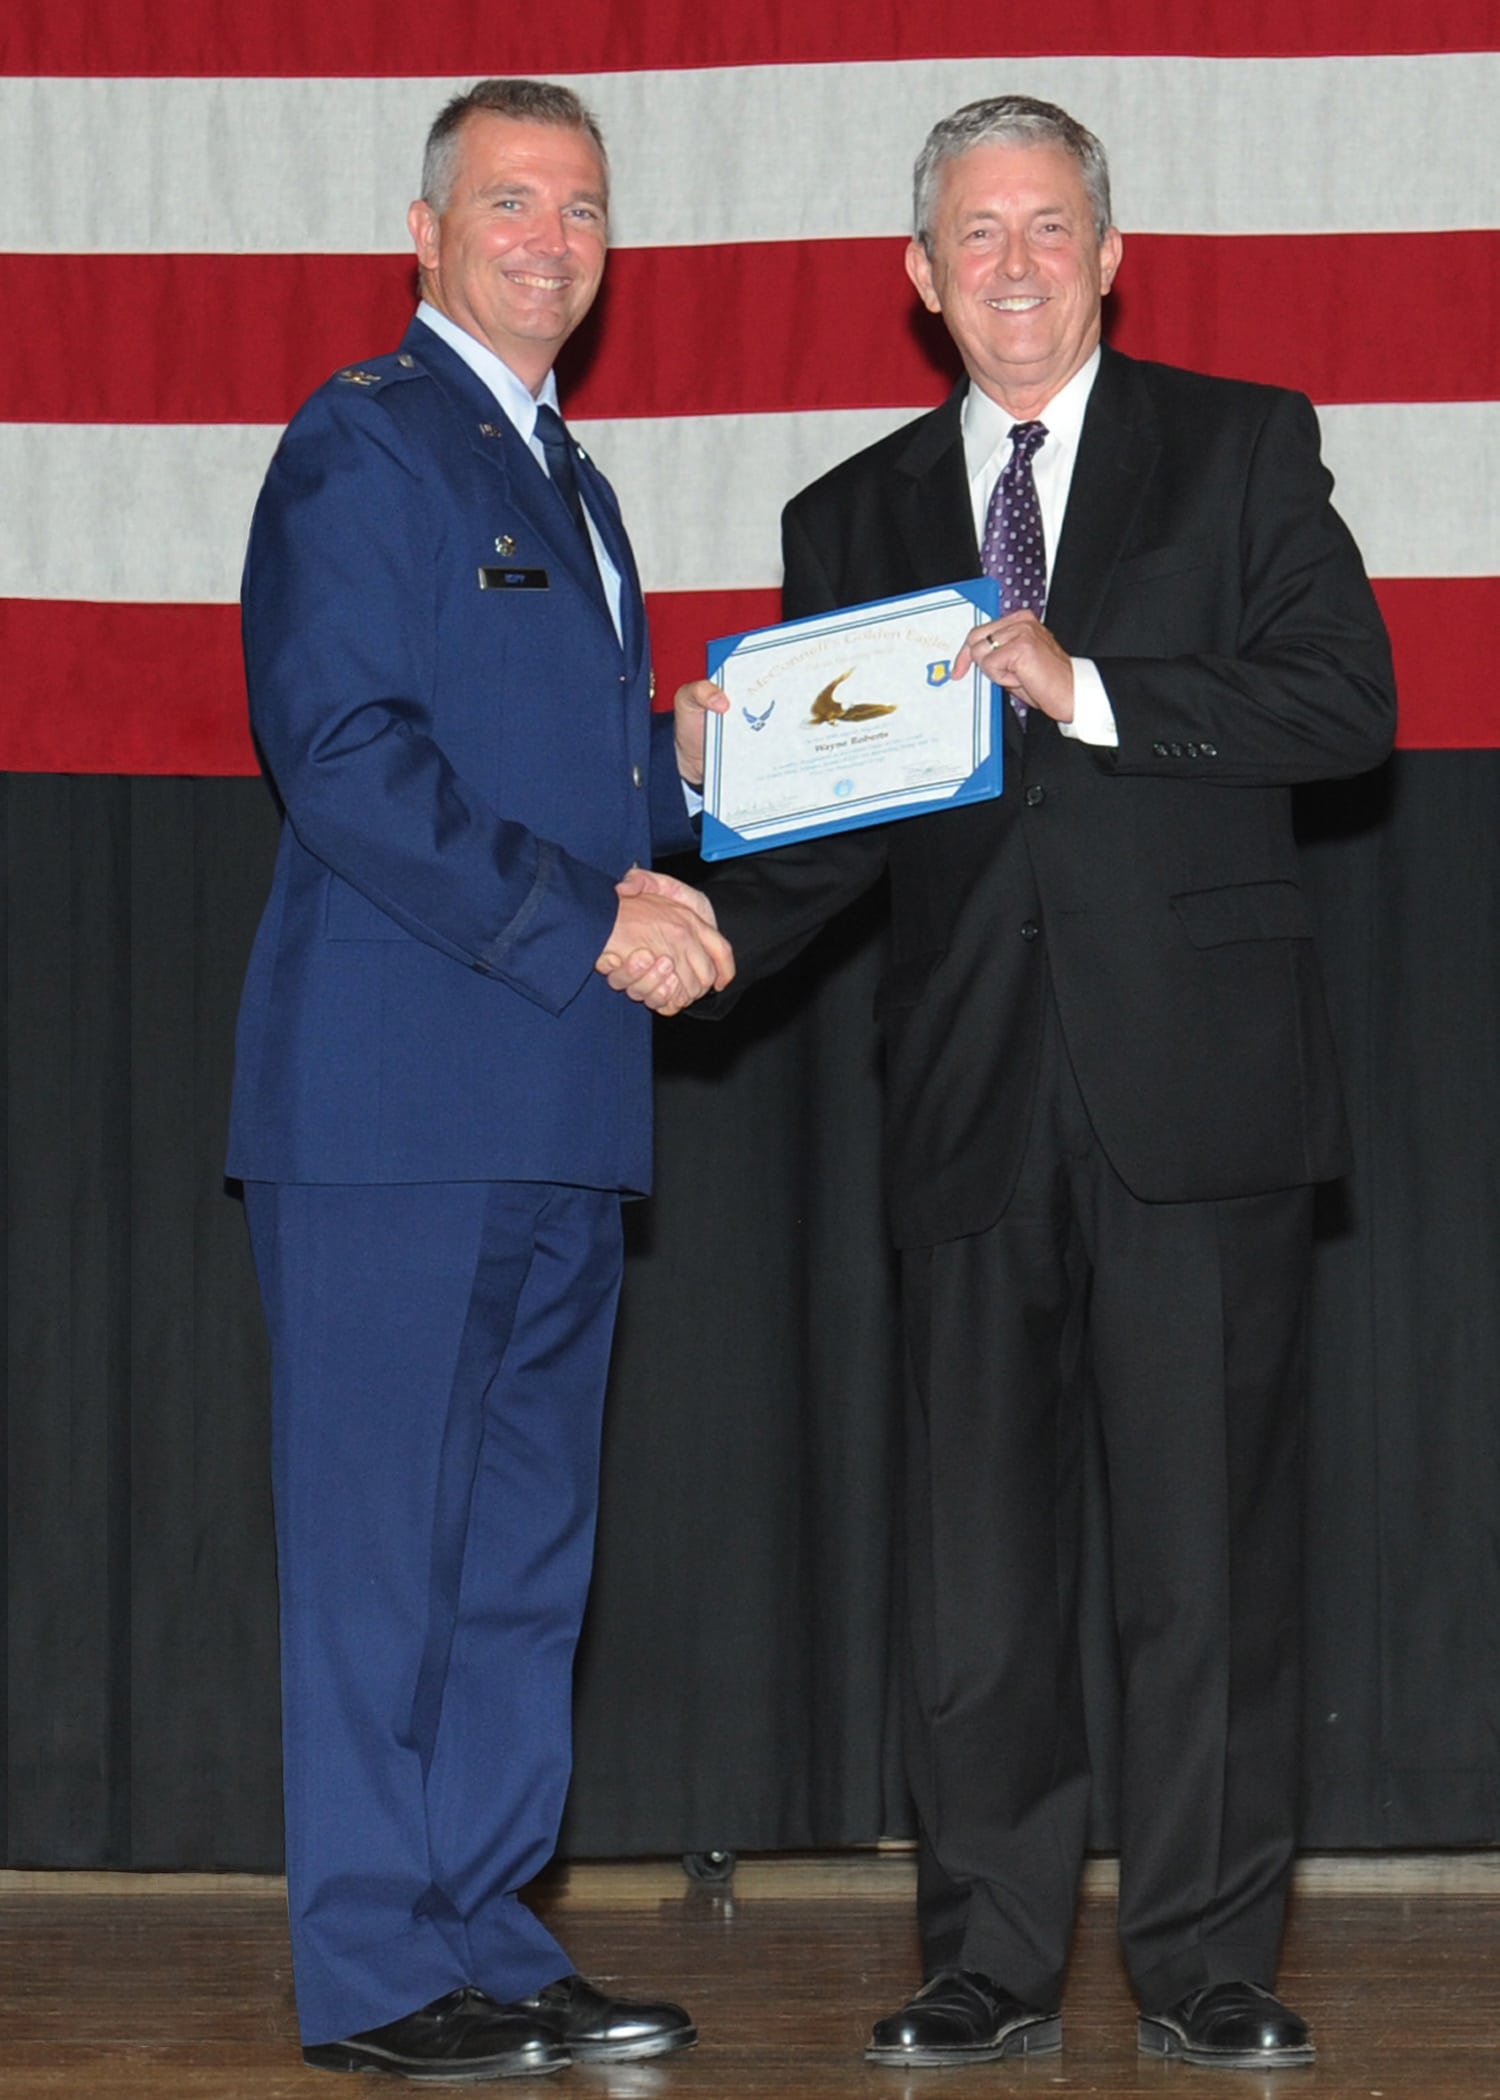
(206, 217)
(207, 206)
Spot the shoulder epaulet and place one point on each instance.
(380, 371)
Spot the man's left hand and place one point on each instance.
(1019, 653)
(692, 703)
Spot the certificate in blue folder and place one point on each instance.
(850, 718)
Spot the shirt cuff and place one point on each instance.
(1093, 718)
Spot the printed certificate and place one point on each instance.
(850, 718)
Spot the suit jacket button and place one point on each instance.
(1030, 930)
(1035, 797)
(637, 777)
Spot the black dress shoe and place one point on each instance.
(463, 2039)
(593, 2029)
(960, 2017)
(1236, 2025)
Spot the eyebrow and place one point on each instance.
(522, 188)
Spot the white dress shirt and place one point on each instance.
(517, 402)
(987, 449)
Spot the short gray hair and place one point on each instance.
(531, 101)
(1007, 120)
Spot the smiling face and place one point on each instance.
(516, 254)
(1016, 270)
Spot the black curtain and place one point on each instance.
(739, 1682)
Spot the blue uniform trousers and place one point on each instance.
(439, 1354)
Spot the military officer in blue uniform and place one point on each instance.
(440, 1103)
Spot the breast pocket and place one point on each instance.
(1162, 602)
(1243, 911)
(1177, 559)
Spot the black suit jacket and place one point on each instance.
(1202, 566)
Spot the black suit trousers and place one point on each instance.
(1181, 1322)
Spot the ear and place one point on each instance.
(919, 270)
(422, 225)
(1111, 248)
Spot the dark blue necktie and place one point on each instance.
(558, 447)
(1014, 551)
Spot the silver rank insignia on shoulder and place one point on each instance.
(358, 376)
(505, 544)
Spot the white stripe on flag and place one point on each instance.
(759, 153)
(159, 513)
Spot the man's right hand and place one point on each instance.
(665, 950)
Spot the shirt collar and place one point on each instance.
(987, 426)
(510, 392)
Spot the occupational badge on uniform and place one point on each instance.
(505, 544)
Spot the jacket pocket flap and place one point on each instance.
(1247, 911)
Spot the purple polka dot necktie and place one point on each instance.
(1014, 551)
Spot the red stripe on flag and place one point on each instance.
(93, 688)
(1442, 636)
(1314, 311)
(122, 689)
(683, 623)
(196, 338)
(1443, 631)
(159, 689)
(466, 38)
(755, 328)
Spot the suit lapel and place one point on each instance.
(1117, 452)
(931, 499)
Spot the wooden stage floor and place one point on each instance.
(145, 1986)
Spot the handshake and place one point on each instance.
(665, 949)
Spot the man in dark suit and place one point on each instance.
(439, 1104)
(1111, 1088)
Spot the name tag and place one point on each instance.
(513, 580)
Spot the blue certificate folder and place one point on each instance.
(850, 718)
